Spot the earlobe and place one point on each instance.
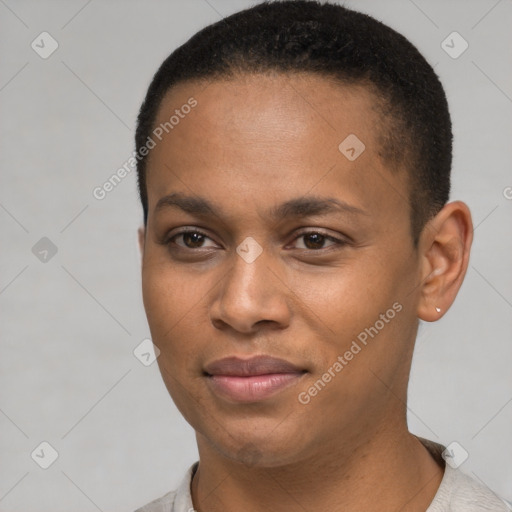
(445, 244)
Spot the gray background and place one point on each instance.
(70, 324)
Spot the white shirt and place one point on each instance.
(457, 492)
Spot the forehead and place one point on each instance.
(284, 134)
(301, 110)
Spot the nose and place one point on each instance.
(250, 296)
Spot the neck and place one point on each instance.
(391, 470)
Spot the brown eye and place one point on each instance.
(315, 240)
(190, 240)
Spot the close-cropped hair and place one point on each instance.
(351, 48)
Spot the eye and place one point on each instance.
(190, 239)
(307, 240)
(315, 240)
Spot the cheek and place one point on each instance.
(172, 301)
(175, 307)
(343, 299)
(358, 313)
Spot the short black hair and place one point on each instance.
(307, 36)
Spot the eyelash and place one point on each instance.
(337, 241)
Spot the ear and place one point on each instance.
(142, 233)
(445, 244)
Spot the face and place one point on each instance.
(279, 273)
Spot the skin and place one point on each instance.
(252, 143)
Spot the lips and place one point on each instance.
(251, 380)
(258, 365)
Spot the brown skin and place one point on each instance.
(252, 143)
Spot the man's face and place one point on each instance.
(324, 279)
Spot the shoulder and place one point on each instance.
(178, 500)
(465, 494)
(459, 492)
(163, 504)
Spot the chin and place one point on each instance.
(266, 448)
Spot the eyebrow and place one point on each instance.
(306, 206)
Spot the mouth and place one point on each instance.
(251, 380)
